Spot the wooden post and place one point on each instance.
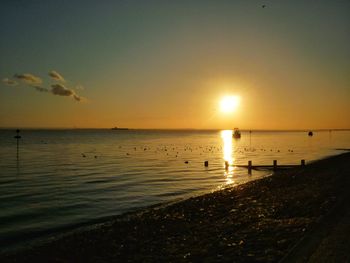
(17, 137)
(303, 162)
(274, 165)
(249, 167)
(226, 165)
(206, 163)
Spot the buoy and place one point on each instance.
(17, 136)
(206, 163)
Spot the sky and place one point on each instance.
(167, 64)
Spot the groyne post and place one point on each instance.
(249, 167)
(17, 137)
(275, 165)
(226, 165)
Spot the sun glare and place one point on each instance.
(229, 104)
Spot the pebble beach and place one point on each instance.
(260, 221)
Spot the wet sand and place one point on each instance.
(267, 220)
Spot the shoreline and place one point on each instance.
(261, 220)
(36, 240)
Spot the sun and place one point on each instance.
(229, 104)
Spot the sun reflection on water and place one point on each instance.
(226, 136)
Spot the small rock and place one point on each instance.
(282, 241)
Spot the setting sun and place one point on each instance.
(229, 104)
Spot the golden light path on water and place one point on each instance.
(226, 136)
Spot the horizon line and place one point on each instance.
(171, 129)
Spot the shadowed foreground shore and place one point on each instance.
(294, 215)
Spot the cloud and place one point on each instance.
(41, 89)
(76, 97)
(9, 82)
(56, 89)
(61, 90)
(56, 76)
(28, 78)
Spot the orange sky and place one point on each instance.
(167, 65)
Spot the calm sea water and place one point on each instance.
(65, 178)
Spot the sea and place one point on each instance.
(52, 181)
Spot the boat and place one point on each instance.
(236, 133)
(117, 128)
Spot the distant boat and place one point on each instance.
(117, 128)
(236, 133)
(310, 133)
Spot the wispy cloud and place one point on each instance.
(61, 90)
(56, 76)
(28, 78)
(57, 88)
(41, 89)
(9, 82)
(77, 98)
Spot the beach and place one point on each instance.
(267, 220)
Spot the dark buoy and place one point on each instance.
(250, 139)
(17, 136)
(206, 163)
(310, 133)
